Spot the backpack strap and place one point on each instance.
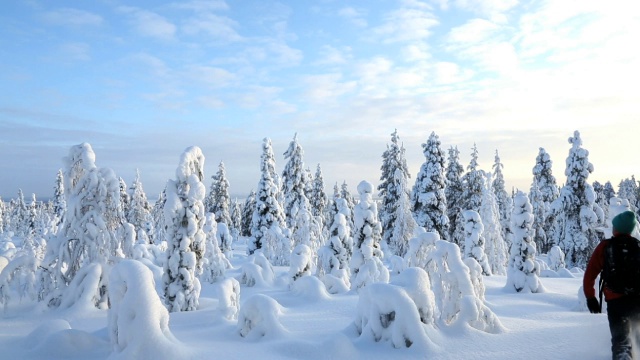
(601, 284)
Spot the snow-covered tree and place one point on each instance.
(351, 204)
(139, 214)
(236, 218)
(404, 226)
(268, 216)
(539, 215)
(247, 213)
(336, 254)
(366, 262)
(628, 189)
(59, 202)
(157, 213)
(318, 197)
(428, 194)
(473, 183)
(522, 275)
(474, 240)
(125, 199)
(184, 215)
(219, 200)
(392, 159)
(453, 193)
(495, 245)
(293, 183)
(546, 184)
(502, 196)
(574, 209)
(88, 234)
(215, 262)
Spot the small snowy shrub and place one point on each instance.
(257, 271)
(258, 318)
(229, 298)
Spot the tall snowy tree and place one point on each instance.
(471, 198)
(236, 218)
(268, 216)
(366, 262)
(628, 189)
(351, 204)
(139, 212)
(404, 226)
(125, 199)
(336, 256)
(429, 204)
(502, 196)
(318, 197)
(59, 202)
(474, 240)
(392, 159)
(293, 183)
(219, 200)
(87, 239)
(523, 272)
(453, 192)
(495, 245)
(248, 208)
(186, 241)
(157, 213)
(546, 184)
(576, 218)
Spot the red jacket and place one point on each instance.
(595, 266)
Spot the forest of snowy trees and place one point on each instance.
(452, 219)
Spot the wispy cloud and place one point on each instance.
(149, 24)
(72, 17)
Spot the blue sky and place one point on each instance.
(143, 80)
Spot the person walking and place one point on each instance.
(617, 261)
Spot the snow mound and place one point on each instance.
(259, 318)
(138, 321)
(56, 339)
(334, 284)
(310, 287)
(257, 271)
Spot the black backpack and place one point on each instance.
(621, 271)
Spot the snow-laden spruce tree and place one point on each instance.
(219, 200)
(366, 262)
(268, 221)
(139, 214)
(184, 215)
(215, 262)
(428, 194)
(351, 203)
(125, 199)
(539, 214)
(546, 184)
(628, 189)
(236, 218)
(474, 240)
(248, 208)
(473, 184)
(392, 159)
(334, 257)
(318, 198)
(2, 212)
(523, 271)
(88, 234)
(20, 218)
(404, 226)
(495, 245)
(502, 196)
(59, 202)
(453, 193)
(157, 213)
(294, 184)
(575, 208)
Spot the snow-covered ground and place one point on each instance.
(308, 323)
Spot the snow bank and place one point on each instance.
(138, 321)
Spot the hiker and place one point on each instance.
(618, 283)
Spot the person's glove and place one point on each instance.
(593, 305)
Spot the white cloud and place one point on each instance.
(406, 25)
(218, 28)
(322, 88)
(75, 51)
(72, 17)
(150, 24)
(211, 76)
(356, 17)
(330, 55)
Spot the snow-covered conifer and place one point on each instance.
(125, 199)
(556, 258)
(236, 218)
(301, 262)
(473, 183)
(628, 189)
(59, 202)
(404, 226)
(219, 200)
(318, 197)
(268, 216)
(336, 254)
(453, 193)
(428, 194)
(546, 184)
(139, 214)
(248, 208)
(495, 244)
(293, 183)
(523, 271)
(215, 262)
(157, 213)
(502, 196)
(366, 261)
(539, 214)
(392, 159)
(474, 241)
(186, 241)
(351, 204)
(575, 208)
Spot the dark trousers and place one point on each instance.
(624, 323)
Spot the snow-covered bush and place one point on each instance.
(523, 271)
(301, 263)
(556, 258)
(17, 275)
(397, 312)
(138, 321)
(259, 318)
(215, 262)
(334, 257)
(229, 298)
(257, 271)
(87, 289)
(420, 248)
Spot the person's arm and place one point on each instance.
(594, 268)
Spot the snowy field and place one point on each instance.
(317, 325)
